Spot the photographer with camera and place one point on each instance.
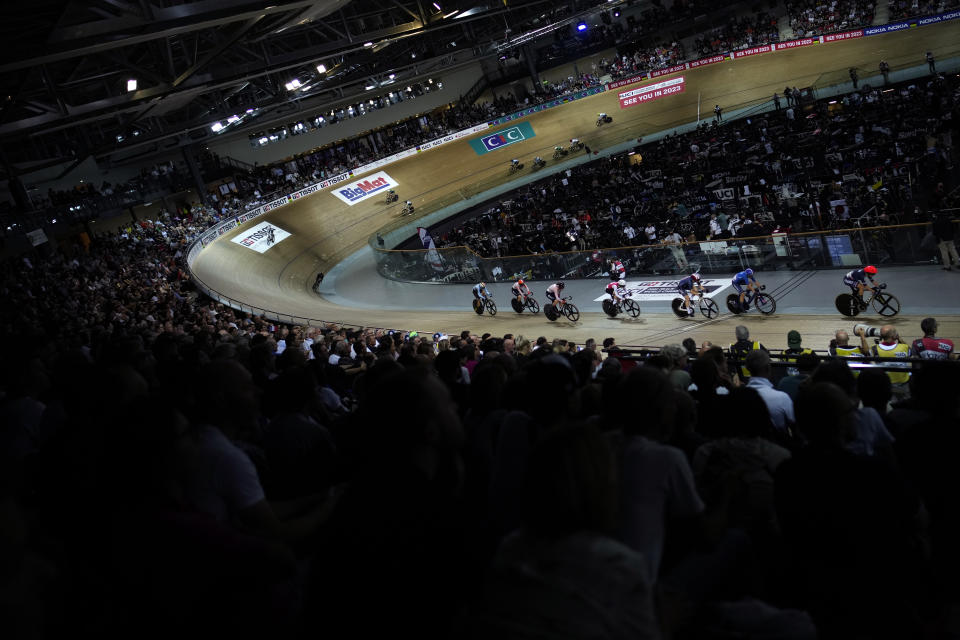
(840, 345)
(891, 346)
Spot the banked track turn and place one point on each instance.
(325, 231)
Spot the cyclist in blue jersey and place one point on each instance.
(690, 284)
(857, 280)
(480, 291)
(745, 279)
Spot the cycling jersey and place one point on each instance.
(856, 277)
(520, 290)
(612, 288)
(553, 292)
(743, 278)
(685, 285)
(479, 292)
(933, 348)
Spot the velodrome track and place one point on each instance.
(325, 231)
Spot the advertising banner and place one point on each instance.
(846, 35)
(889, 28)
(702, 62)
(652, 92)
(358, 190)
(752, 51)
(261, 237)
(626, 81)
(668, 70)
(793, 44)
(943, 17)
(503, 138)
(549, 104)
(666, 289)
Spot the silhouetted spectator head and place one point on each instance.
(691, 346)
(650, 389)
(874, 389)
(229, 400)
(750, 417)
(807, 362)
(823, 414)
(570, 483)
(836, 371)
(758, 362)
(704, 374)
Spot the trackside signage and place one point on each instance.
(752, 51)
(261, 237)
(357, 190)
(503, 138)
(665, 72)
(793, 44)
(666, 289)
(702, 62)
(846, 35)
(652, 92)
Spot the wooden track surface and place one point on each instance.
(325, 230)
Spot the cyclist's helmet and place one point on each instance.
(560, 285)
(483, 285)
(621, 283)
(748, 272)
(695, 277)
(520, 281)
(872, 270)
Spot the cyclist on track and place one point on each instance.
(480, 291)
(601, 117)
(745, 279)
(558, 149)
(857, 280)
(538, 161)
(515, 164)
(690, 284)
(554, 294)
(574, 142)
(520, 290)
(615, 290)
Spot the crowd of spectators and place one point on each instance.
(740, 32)
(784, 170)
(162, 176)
(902, 9)
(815, 17)
(170, 464)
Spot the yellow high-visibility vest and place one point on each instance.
(898, 350)
(741, 356)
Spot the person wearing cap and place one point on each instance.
(794, 349)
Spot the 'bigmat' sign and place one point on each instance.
(652, 92)
(356, 190)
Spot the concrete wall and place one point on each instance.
(454, 85)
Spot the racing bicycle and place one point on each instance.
(392, 197)
(568, 309)
(488, 305)
(407, 210)
(576, 147)
(559, 153)
(515, 167)
(708, 306)
(886, 304)
(626, 305)
(529, 303)
(764, 302)
(604, 120)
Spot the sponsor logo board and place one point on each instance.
(652, 92)
(793, 44)
(702, 62)
(358, 190)
(261, 237)
(888, 28)
(622, 83)
(666, 289)
(668, 70)
(752, 51)
(502, 138)
(943, 17)
(846, 35)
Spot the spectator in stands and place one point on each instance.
(779, 403)
(943, 231)
(891, 346)
(931, 347)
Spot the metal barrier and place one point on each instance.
(837, 248)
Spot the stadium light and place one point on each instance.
(437, 6)
(582, 26)
(293, 85)
(132, 84)
(321, 68)
(216, 127)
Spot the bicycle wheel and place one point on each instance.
(609, 308)
(533, 305)
(709, 307)
(631, 307)
(847, 305)
(516, 305)
(733, 303)
(550, 311)
(886, 304)
(677, 306)
(765, 304)
(478, 306)
(570, 310)
(492, 307)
